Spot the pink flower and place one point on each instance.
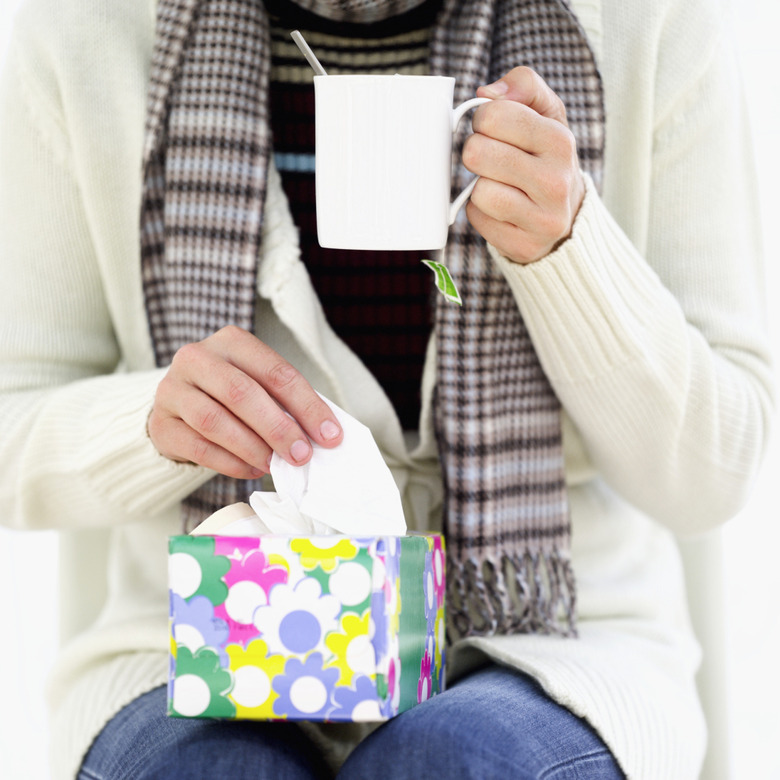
(249, 580)
(424, 684)
(439, 565)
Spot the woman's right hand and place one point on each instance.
(228, 401)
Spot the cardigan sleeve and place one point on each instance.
(73, 445)
(660, 357)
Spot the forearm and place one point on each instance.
(674, 422)
(78, 455)
(73, 444)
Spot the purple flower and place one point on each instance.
(305, 689)
(195, 626)
(393, 559)
(358, 703)
(380, 640)
(429, 595)
(297, 618)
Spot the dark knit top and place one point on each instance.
(379, 303)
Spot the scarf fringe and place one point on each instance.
(533, 592)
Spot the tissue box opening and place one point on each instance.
(321, 628)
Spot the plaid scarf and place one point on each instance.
(497, 419)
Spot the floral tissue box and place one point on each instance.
(322, 628)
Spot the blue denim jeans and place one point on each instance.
(495, 723)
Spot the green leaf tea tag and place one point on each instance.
(444, 281)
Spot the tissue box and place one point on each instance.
(321, 628)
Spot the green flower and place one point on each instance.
(200, 686)
(196, 569)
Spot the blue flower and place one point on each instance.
(297, 617)
(393, 558)
(195, 626)
(358, 703)
(429, 595)
(305, 689)
(380, 640)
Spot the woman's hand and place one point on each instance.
(531, 186)
(223, 405)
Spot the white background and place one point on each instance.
(28, 560)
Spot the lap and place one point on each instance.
(142, 743)
(495, 723)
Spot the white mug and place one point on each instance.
(383, 161)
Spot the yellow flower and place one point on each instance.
(253, 673)
(352, 648)
(440, 637)
(326, 556)
(171, 640)
(395, 617)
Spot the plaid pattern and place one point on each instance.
(208, 142)
(497, 418)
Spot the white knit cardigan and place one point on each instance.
(648, 321)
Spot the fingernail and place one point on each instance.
(329, 430)
(256, 473)
(496, 89)
(300, 450)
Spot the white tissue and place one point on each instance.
(347, 489)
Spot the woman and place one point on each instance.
(639, 289)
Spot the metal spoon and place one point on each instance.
(308, 53)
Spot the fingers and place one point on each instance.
(233, 409)
(229, 401)
(524, 85)
(205, 431)
(512, 241)
(547, 180)
(520, 126)
(503, 162)
(185, 445)
(265, 376)
(531, 186)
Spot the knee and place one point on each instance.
(423, 742)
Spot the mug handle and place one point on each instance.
(457, 115)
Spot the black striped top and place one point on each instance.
(379, 303)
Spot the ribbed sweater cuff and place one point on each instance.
(130, 472)
(593, 304)
(89, 460)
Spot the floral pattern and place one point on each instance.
(352, 647)
(323, 552)
(424, 683)
(201, 685)
(194, 624)
(429, 591)
(250, 580)
(439, 565)
(275, 627)
(305, 689)
(297, 617)
(253, 670)
(358, 702)
(196, 570)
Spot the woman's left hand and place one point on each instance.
(531, 186)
